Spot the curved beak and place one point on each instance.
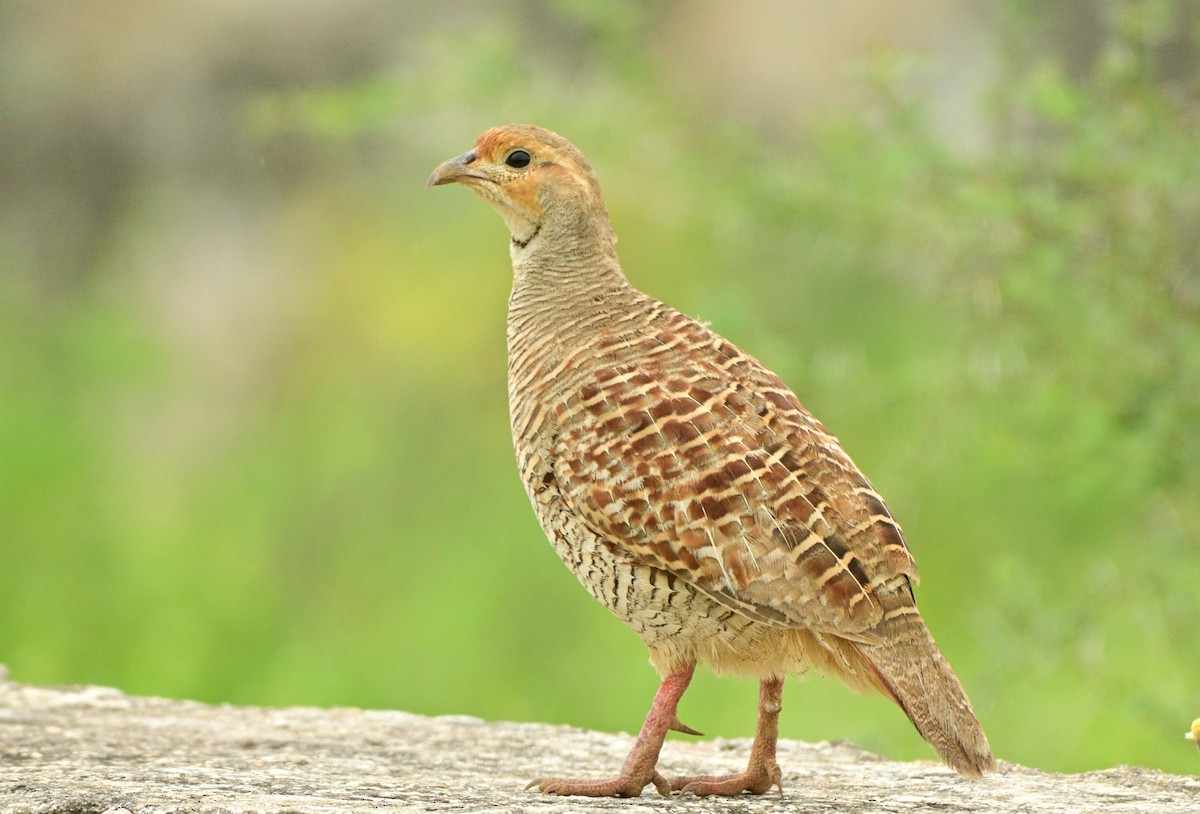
(452, 170)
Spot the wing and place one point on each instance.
(698, 460)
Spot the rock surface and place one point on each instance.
(93, 749)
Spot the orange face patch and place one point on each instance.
(522, 189)
(522, 193)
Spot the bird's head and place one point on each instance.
(537, 180)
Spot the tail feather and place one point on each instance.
(913, 672)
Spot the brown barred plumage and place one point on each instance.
(688, 489)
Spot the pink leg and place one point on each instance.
(763, 772)
(638, 770)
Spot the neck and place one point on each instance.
(566, 288)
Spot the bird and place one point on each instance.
(689, 490)
(1194, 733)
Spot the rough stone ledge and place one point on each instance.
(91, 749)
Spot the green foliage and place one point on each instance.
(1007, 342)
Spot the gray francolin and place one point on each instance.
(689, 490)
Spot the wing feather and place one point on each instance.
(704, 464)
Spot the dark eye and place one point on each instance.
(517, 159)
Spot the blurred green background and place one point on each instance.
(253, 429)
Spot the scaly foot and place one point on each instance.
(638, 770)
(756, 780)
(620, 786)
(762, 772)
